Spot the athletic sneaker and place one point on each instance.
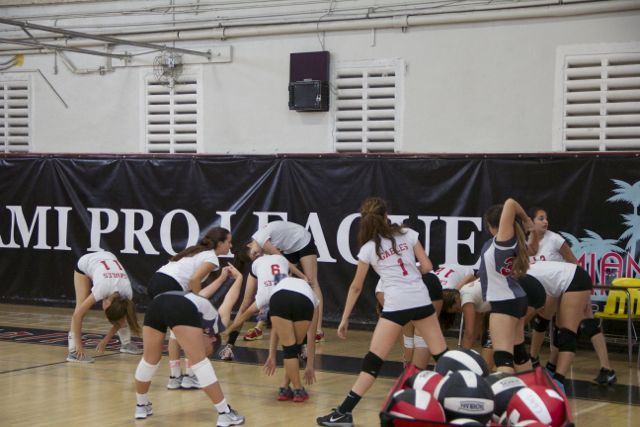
(189, 382)
(284, 394)
(174, 383)
(226, 352)
(231, 418)
(300, 395)
(606, 377)
(143, 411)
(336, 419)
(130, 348)
(535, 362)
(253, 334)
(73, 357)
(319, 336)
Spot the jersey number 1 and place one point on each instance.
(404, 270)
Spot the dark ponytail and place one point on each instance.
(209, 242)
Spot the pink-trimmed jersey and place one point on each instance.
(400, 278)
(555, 276)
(268, 271)
(107, 275)
(549, 247)
(451, 275)
(183, 269)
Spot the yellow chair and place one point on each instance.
(616, 307)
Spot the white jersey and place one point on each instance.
(451, 275)
(183, 269)
(106, 274)
(401, 280)
(268, 271)
(555, 276)
(472, 294)
(549, 247)
(288, 237)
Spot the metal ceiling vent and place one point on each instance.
(167, 67)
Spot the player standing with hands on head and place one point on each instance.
(503, 261)
(185, 272)
(392, 251)
(99, 276)
(296, 244)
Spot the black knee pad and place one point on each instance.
(540, 324)
(554, 336)
(567, 340)
(291, 351)
(371, 364)
(503, 358)
(520, 354)
(589, 328)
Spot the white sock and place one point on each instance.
(222, 406)
(142, 399)
(125, 335)
(187, 365)
(174, 366)
(72, 342)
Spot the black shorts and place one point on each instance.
(161, 283)
(433, 285)
(402, 317)
(310, 249)
(291, 305)
(536, 295)
(169, 310)
(516, 307)
(581, 281)
(77, 269)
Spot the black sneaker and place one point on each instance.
(606, 377)
(535, 362)
(336, 419)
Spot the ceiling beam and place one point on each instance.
(107, 39)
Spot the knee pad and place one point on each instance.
(554, 341)
(540, 324)
(408, 341)
(520, 354)
(503, 358)
(204, 372)
(291, 351)
(371, 364)
(418, 342)
(589, 328)
(567, 340)
(145, 371)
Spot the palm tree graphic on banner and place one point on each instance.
(599, 255)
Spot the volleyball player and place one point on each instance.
(99, 276)
(296, 244)
(504, 259)
(392, 251)
(293, 308)
(186, 271)
(544, 244)
(196, 325)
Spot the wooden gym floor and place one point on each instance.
(41, 389)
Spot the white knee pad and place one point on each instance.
(204, 372)
(145, 371)
(418, 342)
(408, 341)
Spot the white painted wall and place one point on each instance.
(469, 88)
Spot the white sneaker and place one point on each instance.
(189, 382)
(73, 357)
(130, 348)
(231, 418)
(226, 352)
(143, 411)
(174, 383)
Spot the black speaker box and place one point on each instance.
(309, 81)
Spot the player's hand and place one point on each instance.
(233, 271)
(309, 375)
(270, 366)
(102, 346)
(342, 329)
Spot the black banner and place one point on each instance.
(145, 208)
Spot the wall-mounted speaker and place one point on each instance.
(309, 81)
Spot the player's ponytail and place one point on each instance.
(521, 263)
(210, 241)
(374, 224)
